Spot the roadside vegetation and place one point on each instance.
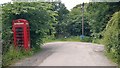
(53, 22)
(112, 37)
(40, 16)
(71, 38)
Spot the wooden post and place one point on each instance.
(83, 19)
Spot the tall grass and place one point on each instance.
(13, 55)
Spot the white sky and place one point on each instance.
(72, 3)
(68, 3)
(4, 1)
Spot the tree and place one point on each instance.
(62, 13)
(99, 13)
(74, 22)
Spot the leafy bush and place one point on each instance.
(86, 39)
(111, 37)
(49, 39)
(40, 16)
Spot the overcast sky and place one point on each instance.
(72, 3)
(68, 3)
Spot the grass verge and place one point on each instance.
(71, 38)
(14, 55)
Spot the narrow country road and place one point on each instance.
(68, 54)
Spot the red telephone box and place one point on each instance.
(21, 33)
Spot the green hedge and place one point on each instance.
(111, 37)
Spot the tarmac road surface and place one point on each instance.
(68, 54)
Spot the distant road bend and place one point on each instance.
(68, 54)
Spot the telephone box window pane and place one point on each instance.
(19, 29)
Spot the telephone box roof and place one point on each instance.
(20, 20)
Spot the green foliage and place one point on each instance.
(71, 38)
(0, 18)
(53, 22)
(49, 39)
(60, 26)
(14, 54)
(112, 36)
(38, 14)
(96, 16)
(99, 14)
(87, 39)
(74, 22)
